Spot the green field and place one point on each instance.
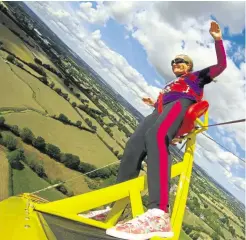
(15, 45)
(192, 219)
(4, 175)
(82, 95)
(57, 171)
(26, 181)
(184, 236)
(69, 139)
(48, 99)
(59, 84)
(102, 133)
(21, 94)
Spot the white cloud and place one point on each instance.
(158, 83)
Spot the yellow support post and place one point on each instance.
(183, 189)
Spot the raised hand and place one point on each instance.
(215, 31)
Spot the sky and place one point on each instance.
(131, 45)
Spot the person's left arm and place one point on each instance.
(208, 74)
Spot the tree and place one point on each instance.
(52, 85)
(78, 123)
(11, 58)
(74, 104)
(39, 143)
(94, 128)
(20, 65)
(102, 173)
(38, 69)
(70, 160)
(65, 95)
(38, 61)
(196, 236)
(58, 90)
(27, 135)
(215, 236)
(232, 230)
(114, 169)
(38, 168)
(63, 118)
(15, 129)
(188, 230)
(9, 141)
(53, 151)
(66, 82)
(85, 167)
(15, 157)
(2, 121)
(44, 80)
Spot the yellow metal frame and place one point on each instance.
(121, 194)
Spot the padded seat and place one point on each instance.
(194, 111)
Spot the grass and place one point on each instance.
(225, 210)
(57, 171)
(54, 170)
(107, 120)
(47, 98)
(82, 95)
(59, 84)
(4, 176)
(109, 110)
(184, 236)
(102, 133)
(21, 95)
(69, 139)
(26, 181)
(119, 135)
(192, 219)
(14, 44)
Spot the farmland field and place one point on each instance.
(69, 139)
(102, 133)
(4, 175)
(57, 171)
(26, 181)
(21, 94)
(48, 99)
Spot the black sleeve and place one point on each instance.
(204, 77)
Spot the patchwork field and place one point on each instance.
(15, 45)
(102, 133)
(119, 135)
(48, 99)
(59, 84)
(192, 219)
(184, 236)
(26, 180)
(4, 175)
(225, 209)
(21, 94)
(69, 139)
(90, 104)
(57, 171)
